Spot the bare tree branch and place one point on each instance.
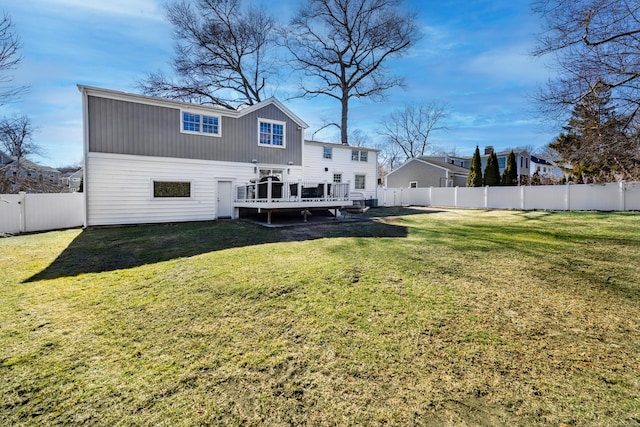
(341, 46)
(410, 128)
(10, 58)
(593, 42)
(16, 135)
(222, 54)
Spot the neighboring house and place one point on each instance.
(338, 163)
(426, 171)
(451, 171)
(25, 175)
(545, 169)
(149, 160)
(523, 161)
(72, 181)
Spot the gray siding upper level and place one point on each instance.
(124, 127)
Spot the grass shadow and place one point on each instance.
(102, 249)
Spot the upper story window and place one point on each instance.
(271, 133)
(327, 152)
(200, 124)
(361, 156)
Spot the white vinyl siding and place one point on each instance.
(317, 169)
(120, 188)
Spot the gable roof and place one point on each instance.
(540, 161)
(163, 102)
(444, 165)
(456, 170)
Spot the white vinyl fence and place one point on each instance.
(583, 197)
(23, 213)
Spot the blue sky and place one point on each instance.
(473, 56)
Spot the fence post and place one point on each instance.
(567, 204)
(621, 193)
(522, 195)
(486, 197)
(23, 211)
(455, 197)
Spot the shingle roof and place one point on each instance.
(452, 168)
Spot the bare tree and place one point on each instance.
(222, 54)
(341, 47)
(9, 59)
(594, 42)
(16, 137)
(410, 128)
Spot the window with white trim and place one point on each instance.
(200, 124)
(360, 182)
(361, 156)
(413, 184)
(337, 177)
(164, 189)
(327, 152)
(271, 133)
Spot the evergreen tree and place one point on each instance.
(595, 142)
(474, 179)
(510, 175)
(492, 170)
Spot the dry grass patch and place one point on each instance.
(415, 318)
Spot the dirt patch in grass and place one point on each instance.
(412, 318)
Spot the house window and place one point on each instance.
(357, 155)
(360, 182)
(337, 177)
(413, 184)
(327, 152)
(502, 162)
(162, 189)
(200, 124)
(271, 133)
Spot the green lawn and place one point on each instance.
(417, 317)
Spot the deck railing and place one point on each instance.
(271, 190)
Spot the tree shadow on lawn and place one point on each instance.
(102, 249)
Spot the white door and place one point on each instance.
(225, 199)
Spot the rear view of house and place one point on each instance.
(151, 160)
(154, 160)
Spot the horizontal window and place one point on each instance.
(200, 124)
(361, 156)
(163, 189)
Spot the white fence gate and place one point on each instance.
(22, 213)
(623, 196)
